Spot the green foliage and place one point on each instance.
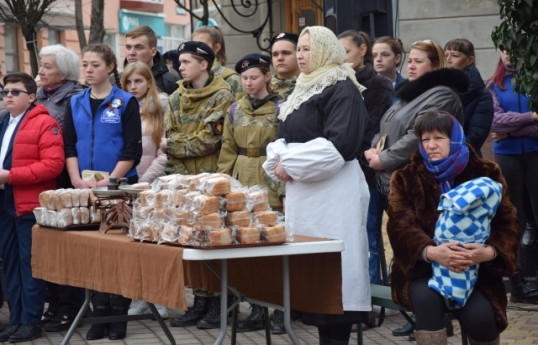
(518, 35)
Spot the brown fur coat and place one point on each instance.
(413, 199)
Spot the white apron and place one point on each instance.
(328, 198)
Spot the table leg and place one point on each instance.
(162, 323)
(223, 300)
(286, 294)
(78, 318)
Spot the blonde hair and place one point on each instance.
(434, 52)
(151, 110)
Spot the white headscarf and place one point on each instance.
(326, 66)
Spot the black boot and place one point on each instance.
(521, 291)
(98, 330)
(405, 329)
(118, 330)
(212, 318)
(193, 314)
(278, 323)
(255, 321)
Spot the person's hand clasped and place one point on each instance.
(81, 184)
(372, 156)
(281, 173)
(452, 256)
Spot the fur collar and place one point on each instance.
(450, 77)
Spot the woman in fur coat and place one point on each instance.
(442, 163)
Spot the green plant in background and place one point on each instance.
(518, 35)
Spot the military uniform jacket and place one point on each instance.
(194, 126)
(284, 87)
(252, 129)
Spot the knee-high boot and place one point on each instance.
(431, 337)
(492, 342)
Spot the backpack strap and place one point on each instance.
(232, 110)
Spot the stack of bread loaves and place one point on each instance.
(205, 210)
(63, 208)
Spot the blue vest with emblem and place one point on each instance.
(516, 102)
(100, 138)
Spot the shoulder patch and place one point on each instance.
(55, 130)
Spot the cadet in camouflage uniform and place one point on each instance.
(194, 129)
(284, 55)
(196, 114)
(251, 124)
(213, 37)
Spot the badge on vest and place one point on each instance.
(112, 113)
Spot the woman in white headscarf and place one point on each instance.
(320, 130)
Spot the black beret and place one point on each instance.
(288, 36)
(197, 48)
(252, 60)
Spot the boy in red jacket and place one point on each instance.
(31, 158)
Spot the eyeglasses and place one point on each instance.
(14, 92)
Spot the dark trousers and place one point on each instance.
(477, 317)
(64, 299)
(520, 173)
(26, 295)
(376, 207)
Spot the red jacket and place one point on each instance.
(37, 158)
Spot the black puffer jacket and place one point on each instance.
(478, 110)
(377, 99)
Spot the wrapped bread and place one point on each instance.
(274, 234)
(177, 197)
(64, 218)
(170, 233)
(149, 231)
(163, 198)
(51, 218)
(258, 200)
(75, 197)
(211, 221)
(95, 215)
(141, 185)
(186, 235)
(216, 185)
(245, 235)
(206, 204)
(238, 218)
(235, 201)
(267, 218)
(40, 214)
(44, 198)
(147, 198)
(220, 237)
(91, 195)
(75, 212)
(84, 215)
(178, 216)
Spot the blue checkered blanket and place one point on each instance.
(466, 213)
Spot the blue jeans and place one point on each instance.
(378, 203)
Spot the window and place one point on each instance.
(175, 35)
(54, 37)
(11, 48)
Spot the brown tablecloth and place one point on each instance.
(114, 263)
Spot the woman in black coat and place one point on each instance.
(476, 100)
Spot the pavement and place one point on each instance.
(522, 329)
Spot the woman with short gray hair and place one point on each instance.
(59, 72)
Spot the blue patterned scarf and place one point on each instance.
(445, 170)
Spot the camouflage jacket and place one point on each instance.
(230, 77)
(283, 86)
(194, 126)
(251, 129)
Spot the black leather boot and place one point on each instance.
(278, 323)
(118, 330)
(212, 318)
(255, 321)
(521, 291)
(405, 329)
(194, 314)
(98, 330)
